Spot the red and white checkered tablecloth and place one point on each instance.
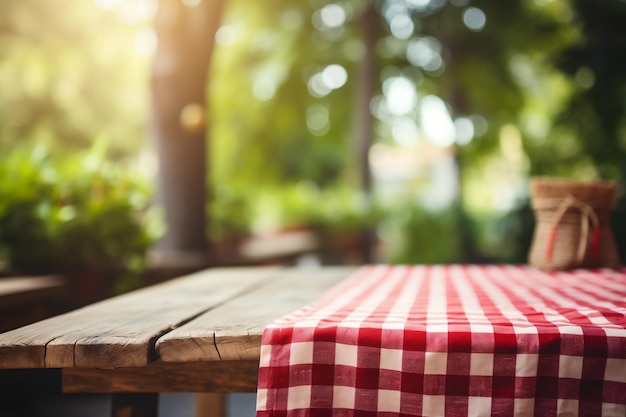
(454, 340)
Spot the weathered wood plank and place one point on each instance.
(121, 331)
(27, 299)
(233, 331)
(159, 376)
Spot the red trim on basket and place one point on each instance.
(550, 243)
(595, 244)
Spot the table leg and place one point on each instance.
(209, 405)
(135, 405)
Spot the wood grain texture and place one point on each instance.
(233, 331)
(159, 376)
(121, 331)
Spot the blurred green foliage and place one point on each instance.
(265, 146)
(73, 214)
(71, 72)
(416, 235)
(543, 82)
(260, 113)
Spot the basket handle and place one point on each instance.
(588, 215)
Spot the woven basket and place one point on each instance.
(572, 224)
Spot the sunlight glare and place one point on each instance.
(138, 10)
(106, 4)
(146, 42)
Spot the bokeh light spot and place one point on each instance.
(425, 53)
(226, 35)
(474, 18)
(334, 76)
(193, 118)
(400, 95)
(419, 4)
(401, 26)
(318, 119)
(264, 89)
(464, 130)
(480, 124)
(333, 15)
(317, 86)
(436, 122)
(585, 77)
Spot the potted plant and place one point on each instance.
(82, 216)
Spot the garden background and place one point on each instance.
(401, 131)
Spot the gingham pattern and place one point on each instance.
(453, 340)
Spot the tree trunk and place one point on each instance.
(186, 37)
(363, 129)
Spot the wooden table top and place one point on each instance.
(213, 315)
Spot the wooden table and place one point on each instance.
(199, 333)
(26, 299)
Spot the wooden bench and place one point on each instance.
(26, 299)
(199, 333)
